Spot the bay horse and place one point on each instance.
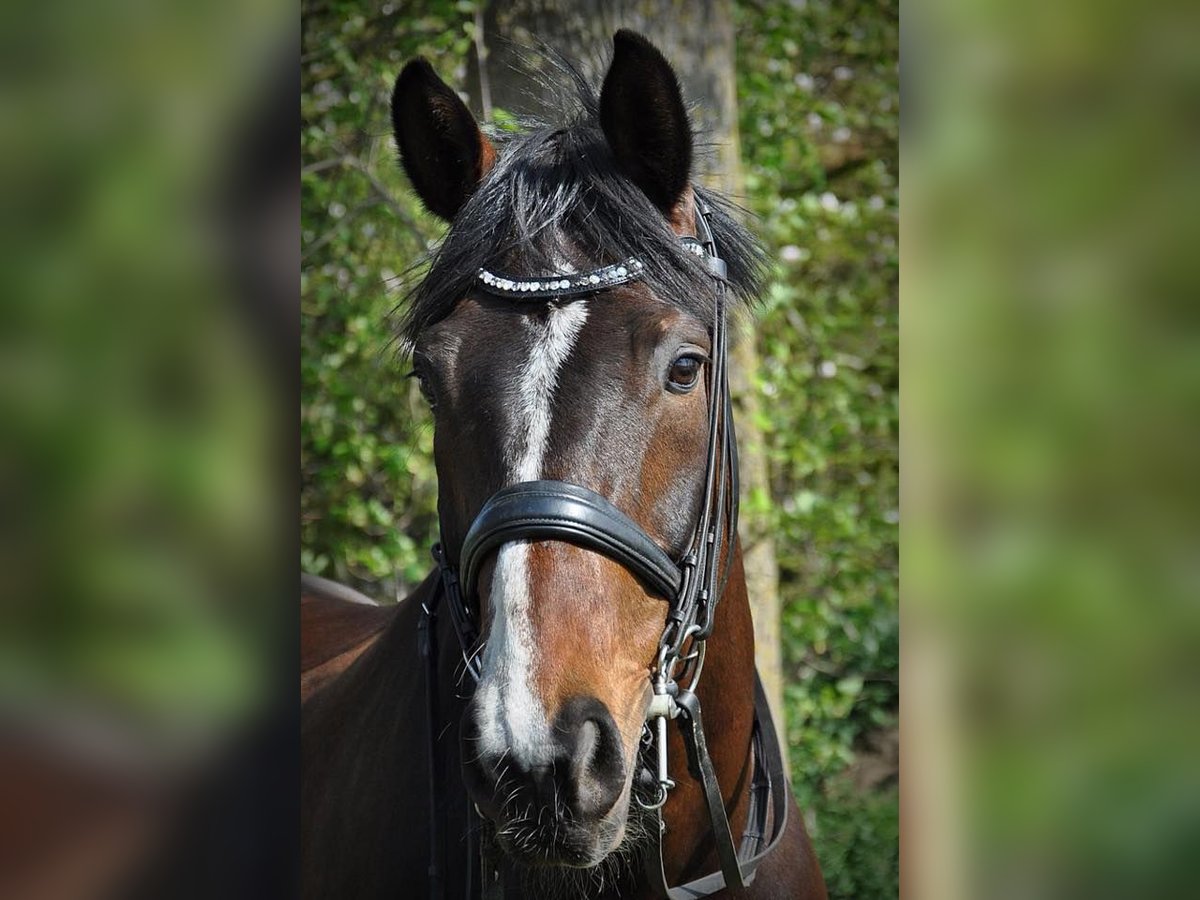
(504, 731)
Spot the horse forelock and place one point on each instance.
(554, 201)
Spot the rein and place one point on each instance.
(692, 585)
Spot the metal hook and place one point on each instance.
(657, 804)
(662, 707)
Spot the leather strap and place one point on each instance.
(427, 646)
(491, 883)
(556, 510)
(701, 768)
(735, 875)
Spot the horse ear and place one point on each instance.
(441, 147)
(645, 121)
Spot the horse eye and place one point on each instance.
(424, 386)
(684, 374)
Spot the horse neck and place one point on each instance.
(726, 693)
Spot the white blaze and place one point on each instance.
(512, 716)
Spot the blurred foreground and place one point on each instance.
(149, 282)
(1051, 575)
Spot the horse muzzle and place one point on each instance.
(559, 804)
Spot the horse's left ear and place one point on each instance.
(441, 147)
(645, 121)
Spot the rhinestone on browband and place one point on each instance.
(561, 285)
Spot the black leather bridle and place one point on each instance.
(693, 585)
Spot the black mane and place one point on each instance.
(555, 195)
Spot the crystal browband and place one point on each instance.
(537, 286)
(561, 285)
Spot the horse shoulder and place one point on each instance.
(363, 814)
(337, 625)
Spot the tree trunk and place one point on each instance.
(698, 39)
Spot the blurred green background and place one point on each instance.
(818, 95)
(135, 474)
(1051, 390)
(144, 628)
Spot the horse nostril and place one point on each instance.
(578, 775)
(591, 745)
(586, 742)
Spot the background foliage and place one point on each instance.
(818, 95)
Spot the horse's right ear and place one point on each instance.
(441, 147)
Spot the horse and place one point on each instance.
(505, 731)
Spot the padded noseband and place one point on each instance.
(558, 511)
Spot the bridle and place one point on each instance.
(693, 585)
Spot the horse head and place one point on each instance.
(565, 334)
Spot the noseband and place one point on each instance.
(692, 586)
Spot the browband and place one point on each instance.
(556, 510)
(539, 287)
(577, 284)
